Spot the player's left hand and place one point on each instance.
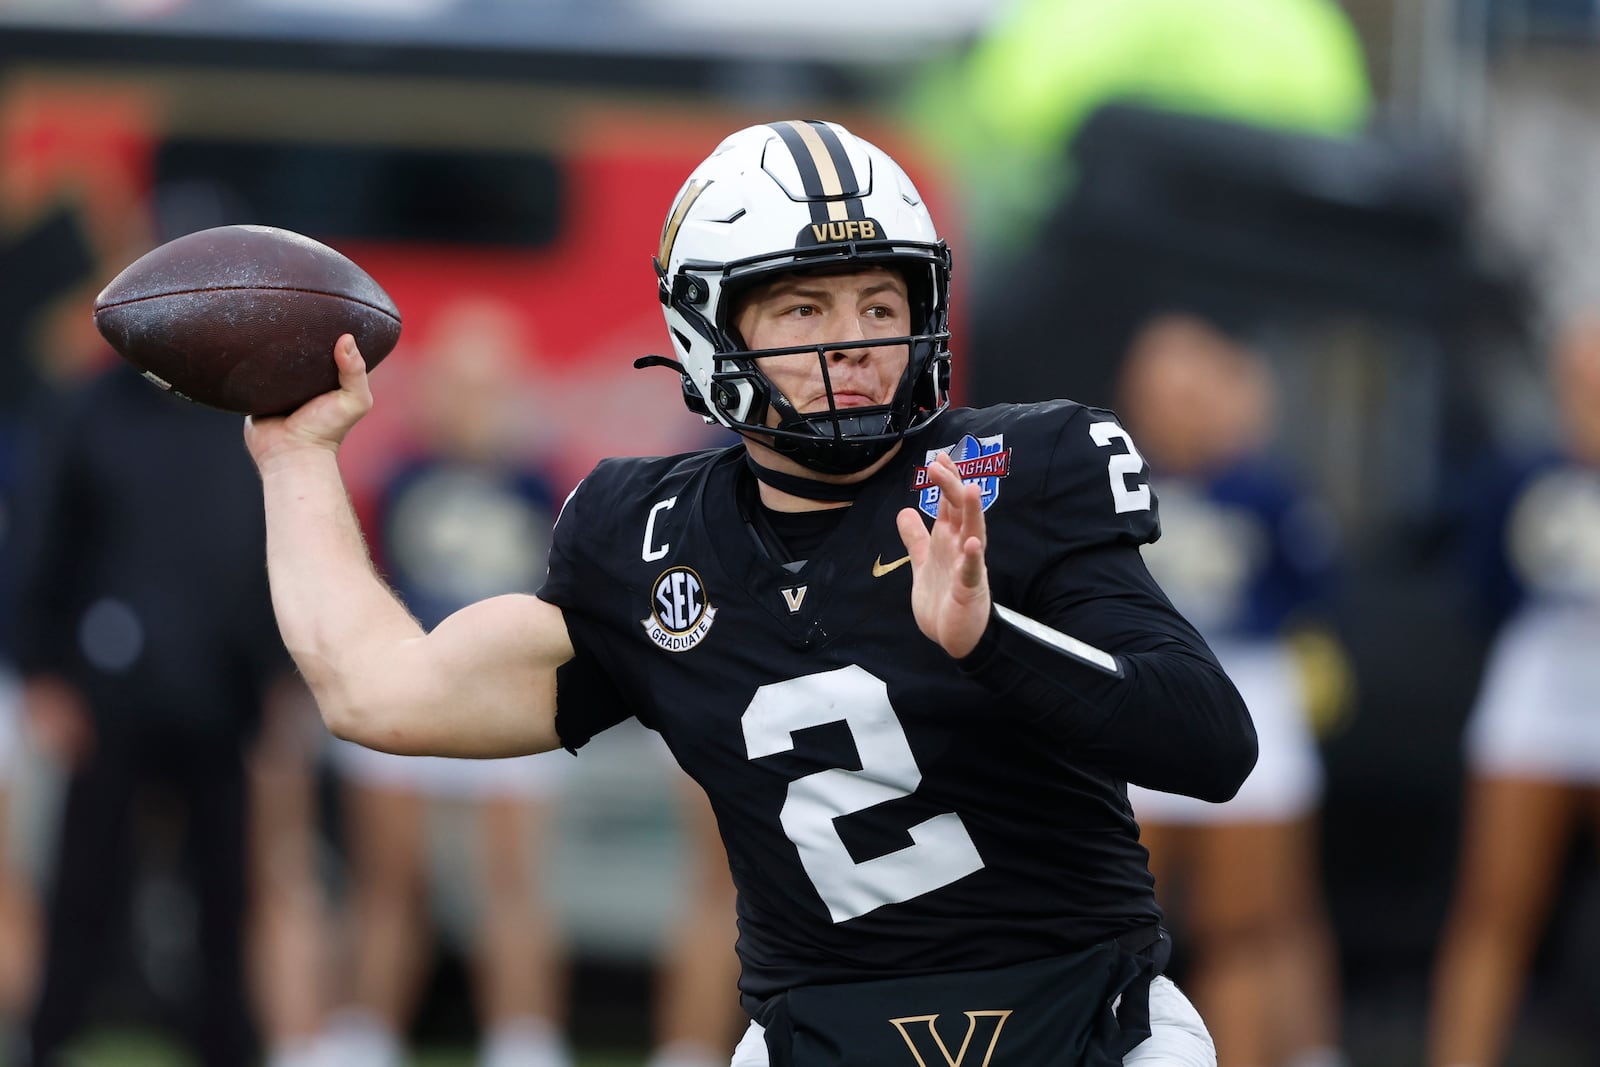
(949, 578)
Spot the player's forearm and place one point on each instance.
(1183, 728)
(1166, 717)
(335, 614)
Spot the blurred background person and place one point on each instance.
(147, 651)
(1247, 553)
(698, 1019)
(18, 913)
(1532, 744)
(467, 516)
(1526, 516)
(287, 932)
(18, 906)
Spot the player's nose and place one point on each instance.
(847, 346)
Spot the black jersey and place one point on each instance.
(884, 814)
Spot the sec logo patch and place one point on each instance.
(680, 613)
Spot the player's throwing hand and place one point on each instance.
(949, 579)
(324, 421)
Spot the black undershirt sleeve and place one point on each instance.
(1165, 716)
(589, 700)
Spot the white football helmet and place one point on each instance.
(789, 196)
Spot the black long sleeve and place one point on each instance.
(1170, 719)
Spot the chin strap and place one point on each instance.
(807, 488)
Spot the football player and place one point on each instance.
(910, 652)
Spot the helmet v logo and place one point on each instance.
(922, 1038)
(794, 598)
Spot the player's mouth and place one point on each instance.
(850, 400)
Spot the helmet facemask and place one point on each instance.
(723, 379)
(834, 440)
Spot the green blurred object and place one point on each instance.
(128, 1048)
(1002, 114)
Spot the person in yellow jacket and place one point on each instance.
(1002, 112)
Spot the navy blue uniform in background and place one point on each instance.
(454, 531)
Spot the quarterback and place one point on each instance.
(911, 653)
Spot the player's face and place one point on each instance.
(833, 310)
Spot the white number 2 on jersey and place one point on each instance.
(941, 850)
(1128, 496)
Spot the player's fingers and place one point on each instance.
(913, 534)
(942, 471)
(973, 523)
(353, 381)
(960, 502)
(352, 367)
(972, 571)
(965, 500)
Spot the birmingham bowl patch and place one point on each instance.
(984, 460)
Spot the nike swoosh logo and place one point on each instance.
(880, 568)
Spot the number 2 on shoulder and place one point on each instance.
(1128, 490)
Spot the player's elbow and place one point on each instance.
(366, 693)
(378, 717)
(353, 711)
(344, 721)
(372, 724)
(346, 718)
(1211, 759)
(1231, 763)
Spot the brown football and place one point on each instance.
(244, 318)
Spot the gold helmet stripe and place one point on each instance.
(669, 230)
(827, 173)
(828, 181)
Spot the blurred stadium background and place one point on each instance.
(525, 150)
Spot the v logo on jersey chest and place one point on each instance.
(794, 597)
